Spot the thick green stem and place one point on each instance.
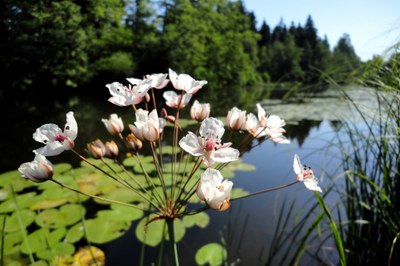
(172, 243)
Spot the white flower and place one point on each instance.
(199, 111)
(122, 95)
(147, 126)
(114, 125)
(158, 81)
(266, 125)
(39, 170)
(305, 174)
(209, 143)
(55, 138)
(174, 100)
(214, 190)
(141, 86)
(236, 119)
(185, 82)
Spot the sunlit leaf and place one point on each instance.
(120, 213)
(179, 230)
(26, 217)
(58, 249)
(201, 219)
(103, 230)
(152, 234)
(75, 233)
(238, 192)
(211, 254)
(42, 239)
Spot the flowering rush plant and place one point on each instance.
(206, 151)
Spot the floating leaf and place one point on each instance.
(67, 215)
(211, 254)
(123, 195)
(120, 213)
(42, 239)
(23, 201)
(4, 194)
(152, 234)
(238, 192)
(11, 242)
(75, 233)
(62, 168)
(100, 231)
(201, 219)
(13, 222)
(58, 249)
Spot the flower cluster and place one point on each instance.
(206, 147)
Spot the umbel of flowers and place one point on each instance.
(207, 150)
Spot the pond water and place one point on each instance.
(249, 226)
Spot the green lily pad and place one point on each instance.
(13, 222)
(42, 239)
(211, 254)
(67, 215)
(123, 195)
(75, 233)
(11, 242)
(100, 231)
(62, 168)
(201, 220)
(152, 234)
(4, 194)
(238, 192)
(120, 213)
(58, 249)
(23, 201)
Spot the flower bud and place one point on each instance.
(39, 170)
(133, 143)
(236, 119)
(96, 149)
(111, 149)
(114, 125)
(199, 111)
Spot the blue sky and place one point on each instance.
(373, 25)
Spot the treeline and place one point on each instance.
(80, 45)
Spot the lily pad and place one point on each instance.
(42, 239)
(75, 233)
(26, 217)
(103, 230)
(120, 213)
(123, 195)
(201, 220)
(238, 192)
(11, 242)
(152, 234)
(211, 254)
(58, 249)
(67, 215)
(23, 201)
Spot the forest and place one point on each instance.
(78, 46)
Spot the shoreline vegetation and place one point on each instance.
(74, 48)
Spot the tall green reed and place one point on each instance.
(370, 152)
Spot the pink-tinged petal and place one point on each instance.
(71, 127)
(312, 184)
(212, 126)
(46, 133)
(251, 122)
(190, 143)
(280, 139)
(297, 166)
(51, 149)
(225, 155)
(39, 170)
(261, 112)
(173, 77)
